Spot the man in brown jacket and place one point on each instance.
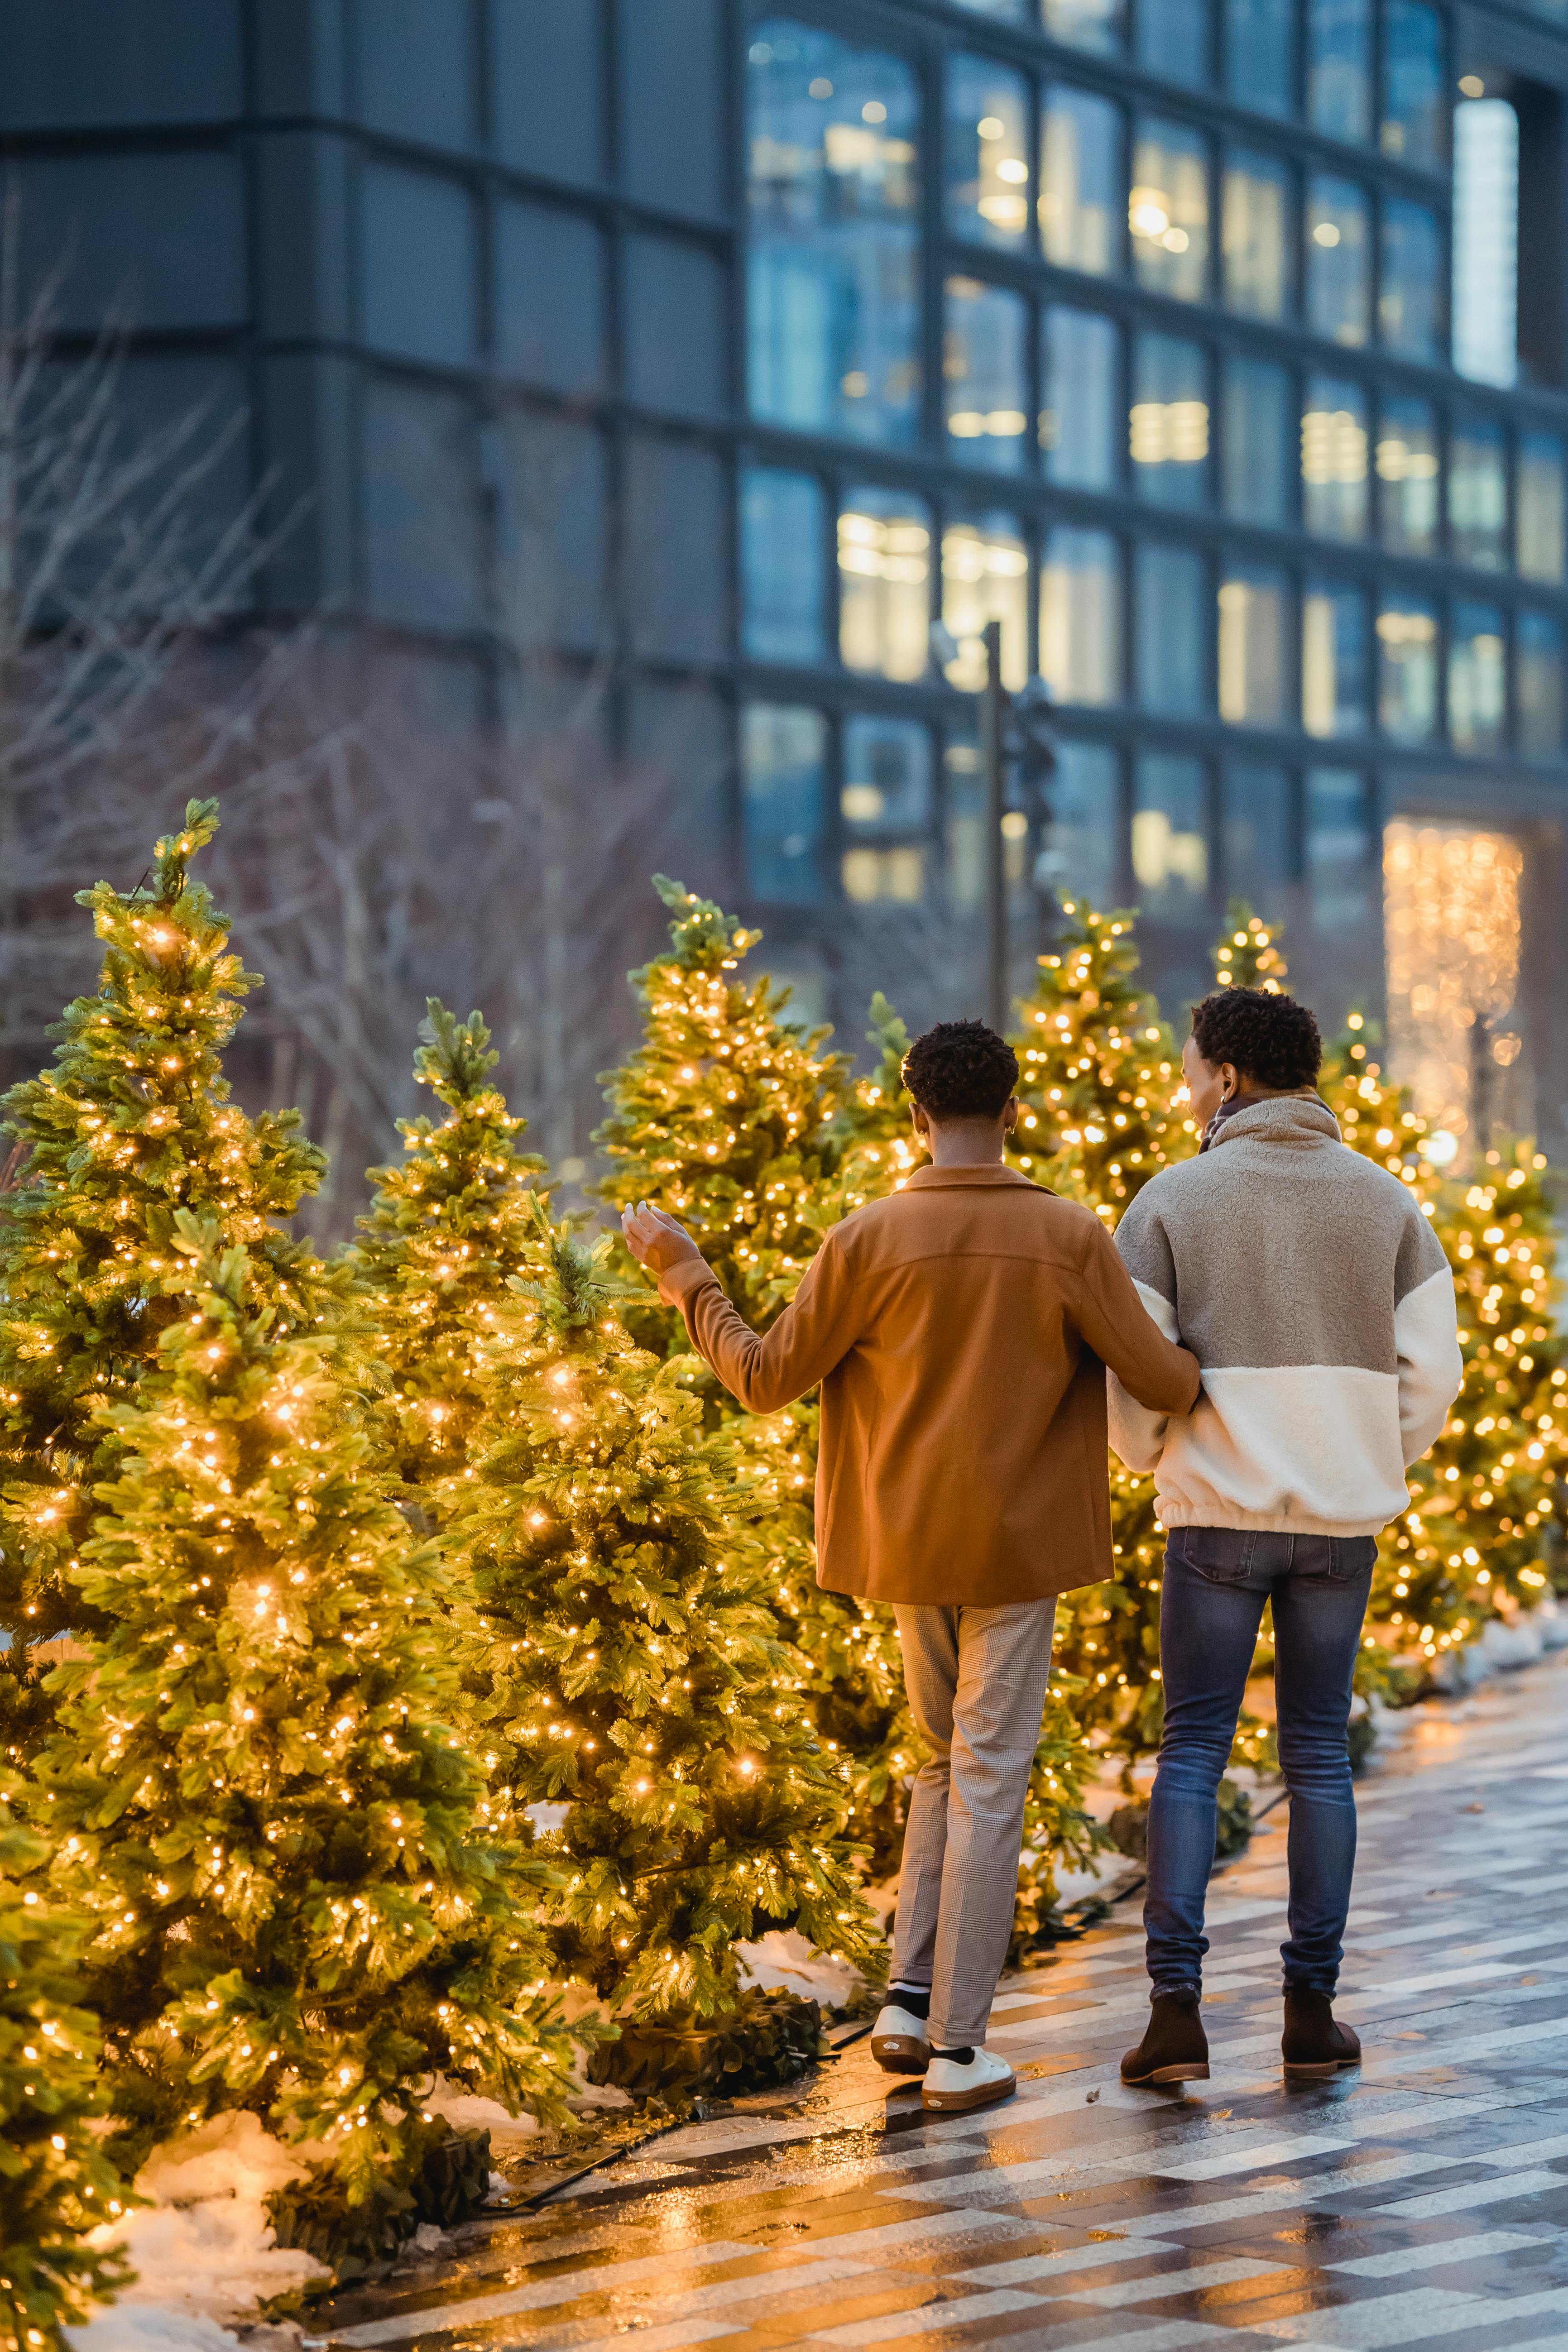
(959, 1330)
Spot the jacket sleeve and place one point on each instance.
(770, 1368)
(1150, 1377)
(1426, 1340)
(1137, 1421)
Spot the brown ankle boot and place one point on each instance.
(1313, 2045)
(1174, 2048)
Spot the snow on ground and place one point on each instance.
(783, 1957)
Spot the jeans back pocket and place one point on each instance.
(1221, 1554)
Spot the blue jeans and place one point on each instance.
(1217, 1582)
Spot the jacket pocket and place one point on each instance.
(1221, 1554)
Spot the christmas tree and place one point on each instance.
(55, 2184)
(130, 1127)
(299, 1906)
(625, 1664)
(1248, 955)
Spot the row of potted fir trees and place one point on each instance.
(416, 1668)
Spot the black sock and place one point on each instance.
(961, 2056)
(916, 1998)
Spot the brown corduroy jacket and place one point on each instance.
(959, 1331)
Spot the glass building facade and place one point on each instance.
(1216, 348)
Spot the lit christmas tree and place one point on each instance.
(1248, 955)
(55, 2184)
(132, 1126)
(627, 1663)
(299, 1906)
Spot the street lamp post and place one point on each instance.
(992, 752)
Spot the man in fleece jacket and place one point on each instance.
(1317, 1299)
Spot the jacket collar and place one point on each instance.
(1302, 1120)
(927, 1179)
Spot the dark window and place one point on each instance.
(675, 536)
(1339, 67)
(1478, 493)
(1257, 443)
(1081, 853)
(102, 61)
(1260, 54)
(783, 565)
(1172, 628)
(419, 293)
(671, 134)
(675, 325)
(1410, 299)
(1541, 518)
(1478, 678)
(1338, 260)
(545, 87)
(159, 238)
(423, 544)
(1174, 39)
(1080, 395)
(551, 529)
(1539, 679)
(783, 798)
(1341, 874)
(550, 297)
(157, 392)
(1412, 82)
(415, 69)
(1258, 848)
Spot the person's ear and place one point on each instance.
(1230, 1079)
(1010, 1115)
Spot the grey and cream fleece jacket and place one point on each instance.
(1317, 1299)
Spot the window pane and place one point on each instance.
(1252, 647)
(988, 152)
(886, 776)
(677, 528)
(1260, 54)
(1081, 180)
(1081, 393)
(1478, 678)
(1336, 684)
(667, 279)
(420, 298)
(884, 583)
(1172, 628)
(1098, 24)
(834, 331)
(1080, 855)
(415, 69)
(1174, 41)
(1486, 321)
(1537, 677)
(1168, 427)
(1255, 236)
(1338, 259)
(1407, 669)
(1170, 836)
(545, 87)
(897, 874)
(550, 297)
(1258, 413)
(1540, 506)
(1409, 305)
(422, 538)
(985, 577)
(1342, 874)
(1408, 473)
(1080, 617)
(1259, 852)
(1010, 11)
(1339, 79)
(1478, 494)
(551, 517)
(783, 790)
(1333, 459)
(1168, 210)
(160, 237)
(1412, 82)
(131, 61)
(783, 571)
(984, 385)
(671, 117)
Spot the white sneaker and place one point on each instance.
(951, 2089)
(898, 2041)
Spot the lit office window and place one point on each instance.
(1478, 494)
(1174, 41)
(984, 366)
(784, 792)
(1081, 180)
(1252, 606)
(1537, 685)
(988, 152)
(783, 565)
(1168, 425)
(1485, 241)
(1339, 294)
(1080, 394)
(1260, 54)
(1408, 477)
(893, 875)
(1097, 24)
(1541, 506)
(1080, 851)
(884, 583)
(1333, 459)
(887, 790)
(1478, 678)
(1412, 82)
(1168, 209)
(1258, 431)
(834, 290)
(1407, 669)
(985, 577)
(1080, 617)
(1257, 828)
(1172, 657)
(1336, 682)
(1170, 835)
(1342, 880)
(1255, 235)
(1410, 298)
(1339, 67)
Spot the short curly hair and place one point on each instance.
(1270, 1037)
(962, 1069)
